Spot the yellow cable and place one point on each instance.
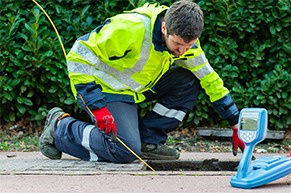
(135, 154)
(53, 27)
(87, 107)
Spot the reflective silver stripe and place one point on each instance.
(146, 43)
(108, 72)
(86, 142)
(171, 113)
(80, 68)
(91, 70)
(195, 63)
(111, 76)
(207, 69)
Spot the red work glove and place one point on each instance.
(236, 142)
(105, 120)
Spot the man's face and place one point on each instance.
(175, 44)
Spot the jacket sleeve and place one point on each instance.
(210, 82)
(195, 60)
(227, 109)
(90, 96)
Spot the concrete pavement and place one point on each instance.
(32, 172)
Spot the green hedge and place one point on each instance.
(247, 42)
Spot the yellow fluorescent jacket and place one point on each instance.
(122, 59)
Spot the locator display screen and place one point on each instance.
(249, 121)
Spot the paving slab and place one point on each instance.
(35, 162)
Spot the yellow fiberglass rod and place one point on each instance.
(88, 108)
(53, 26)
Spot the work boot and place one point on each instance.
(158, 152)
(46, 140)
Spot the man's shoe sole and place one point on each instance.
(50, 152)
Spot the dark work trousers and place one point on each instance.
(176, 93)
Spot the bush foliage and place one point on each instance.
(247, 43)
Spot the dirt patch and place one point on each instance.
(23, 127)
(205, 165)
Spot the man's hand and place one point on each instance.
(105, 121)
(236, 142)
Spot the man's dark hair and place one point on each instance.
(184, 19)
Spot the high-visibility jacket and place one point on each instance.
(119, 58)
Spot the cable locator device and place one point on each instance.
(252, 129)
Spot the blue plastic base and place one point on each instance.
(263, 170)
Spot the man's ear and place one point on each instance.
(164, 28)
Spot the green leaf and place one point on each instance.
(23, 88)
(196, 120)
(29, 28)
(221, 24)
(23, 100)
(27, 101)
(84, 11)
(53, 89)
(273, 29)
(30, 93)
(11, 116)
(7, 96)
(69, 101)
(20, 108)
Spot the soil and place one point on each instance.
(205, 165)
(21, 128)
